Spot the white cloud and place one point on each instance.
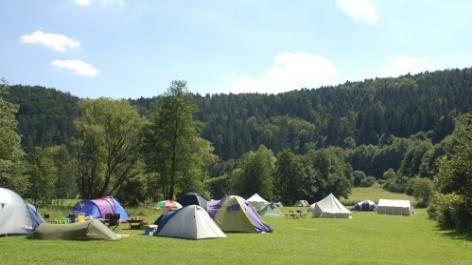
(359, 10)
(82, 2)
(401, 65)
(56, 42)
(291, 71)
(112, 2)
(77, 66)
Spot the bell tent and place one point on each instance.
(330, 207)
(191, 222)
(16, 215)
(270, 209)
(98, 208)
(365, 205)
(193, 198)
(394, 207)
(257, 201)
(87, 230)
(235, 214)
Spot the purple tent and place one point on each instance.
(235, 214)
(98, 208)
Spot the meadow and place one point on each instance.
(367, 238)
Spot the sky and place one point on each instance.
(136, 48)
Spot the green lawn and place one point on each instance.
(367, 238)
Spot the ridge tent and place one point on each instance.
(270, 209)
(191, 221)
(330, 207)
(395, 207)
(98, 208)
(16, 215)
(235, 214)
(365, 205)
(193, 198)
(87, 230)
(257, 201)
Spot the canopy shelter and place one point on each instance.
(191, 222)
(16, 215)
(365, 205)
(87, 230)
(331, 207)
(235, 214)
(99, 208)
(167, 205)
(193, 198)
(257, 201)
(395, 207)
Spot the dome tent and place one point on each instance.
(365, 205)
(16, 215)
(193, 198)
(98, 208)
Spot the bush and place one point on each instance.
(367, 182)
(451, 211)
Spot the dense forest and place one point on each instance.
(301, 144)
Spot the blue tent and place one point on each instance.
(365, 205)
(36, 218)
(98, 208)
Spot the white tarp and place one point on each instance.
(257, 201)
(395, 207)
(330, 207)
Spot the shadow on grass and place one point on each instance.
(454, 234)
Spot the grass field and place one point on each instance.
(367, 238)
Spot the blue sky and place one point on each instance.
(134, 48)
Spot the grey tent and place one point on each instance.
(270, 210)
(87, 230)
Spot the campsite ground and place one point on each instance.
(367, 238)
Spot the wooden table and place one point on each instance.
(135, 224)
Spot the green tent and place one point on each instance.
(87, 230)
(270, 210)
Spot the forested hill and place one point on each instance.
(346, 115)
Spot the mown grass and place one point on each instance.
(375, 193)
(367, 238)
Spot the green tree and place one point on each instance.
(107, 145)
(42, 177)
(173, 147)
(11, 153)
(423, 189)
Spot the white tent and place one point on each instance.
(15, 217)
(395, 207)
(191, 222)
(257, 201)
(330, 207)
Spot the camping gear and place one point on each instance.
(191, 221)
(257, 201)
(330, 207)
(16, 215)
(193, 198)
(235, 214)
(99, 208)
(87, 230)
(270, 209)
(365, 205)
(394, 207)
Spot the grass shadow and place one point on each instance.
(454, 234)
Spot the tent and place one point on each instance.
(191, 221)
(257, 201)
(270, 209)
(301, 203)
(16, 215)
(330, 207)
(365, 205)
(87, 230)
(235, 214)
(311, 208)
(395, 207)
(193, 198)
(98, 208)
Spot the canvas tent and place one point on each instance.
(270, 209)
(395, 207)
(257, 201)
(330, 207)
(235, 214)
(301, 203)
(365, 205)
(16, 215)
(191, 221)
(98, 208)
(193, 198)
(87, 230)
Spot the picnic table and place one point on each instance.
(135, 223)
